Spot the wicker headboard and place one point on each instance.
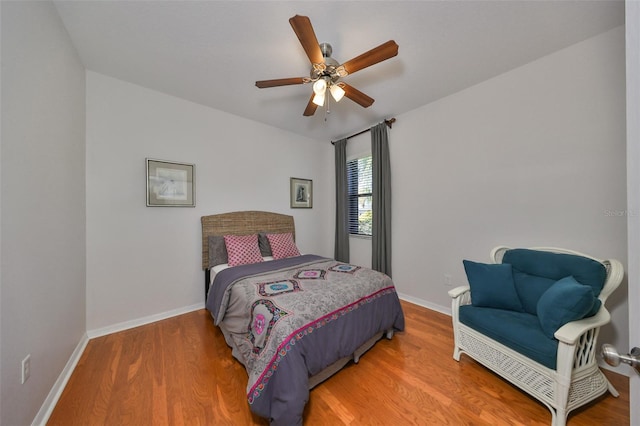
(242, 223)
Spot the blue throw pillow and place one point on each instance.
(492, 286)
(565, 301)
(596, 307)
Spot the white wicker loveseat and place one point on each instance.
(558, 368)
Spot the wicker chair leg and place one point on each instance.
(559, 417)
(554, 417)
(456, 353)
(612, 390)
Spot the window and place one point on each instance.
(359, 184)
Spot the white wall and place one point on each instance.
(141, 260)
(533, 157)
(43, 204)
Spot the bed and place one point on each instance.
(291, 320)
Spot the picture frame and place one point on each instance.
(170, 184)
(301, 193)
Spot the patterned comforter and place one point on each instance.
(289, 319)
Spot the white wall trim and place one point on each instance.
(121, 326)
(425, 304)
(54, 394)
(623, 370)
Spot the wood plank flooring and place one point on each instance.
(180, 371)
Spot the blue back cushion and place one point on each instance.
(530, 288)
(535, 271)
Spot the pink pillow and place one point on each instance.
(242, 249)
(282, 245)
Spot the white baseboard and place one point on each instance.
(623, 369)
(425, 304)
(103, 331)
(54, 394)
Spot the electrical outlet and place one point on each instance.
(447, 280)
(26, 368)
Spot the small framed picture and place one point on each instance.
(170, 184)
(301, 193)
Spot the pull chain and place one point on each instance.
(328, 110)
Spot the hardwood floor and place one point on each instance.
(180, 371)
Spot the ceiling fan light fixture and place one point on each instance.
(319, 87)
(337, 92)
(318, 99)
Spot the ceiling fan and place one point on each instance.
(326, 72)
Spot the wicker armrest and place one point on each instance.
(571, 332)
(459, 291)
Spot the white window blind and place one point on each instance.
(359, 182)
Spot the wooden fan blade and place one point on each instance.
(377, 54)
(357, 96)
(311, 107)
(279, 82)
(302, 27)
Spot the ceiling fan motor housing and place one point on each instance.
(328, 70)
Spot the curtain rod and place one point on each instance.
(388, 122)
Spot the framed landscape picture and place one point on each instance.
(301, 191)
(170, 184)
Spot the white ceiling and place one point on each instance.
(212, 52)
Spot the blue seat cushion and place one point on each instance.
(519, 331)
(534, 271)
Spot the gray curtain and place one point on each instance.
(341, 252)
(381, 202)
